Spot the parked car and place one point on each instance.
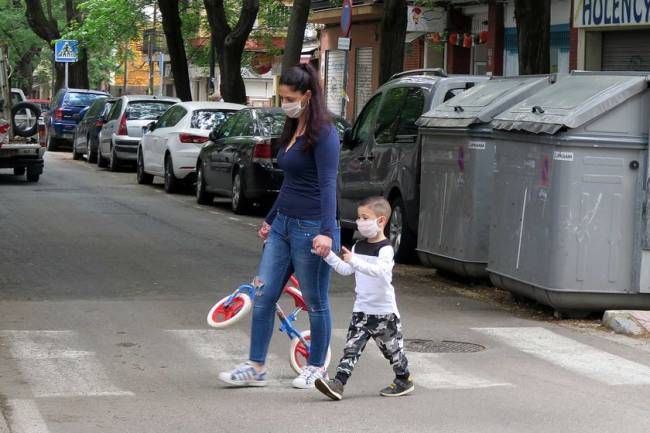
(62, 118)
(380, 154)
(171, 146)
(239, 161)
(120, 136)
(86, 137)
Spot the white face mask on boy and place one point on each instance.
(368, 228)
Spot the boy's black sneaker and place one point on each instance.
(331, 388)
(397, 388)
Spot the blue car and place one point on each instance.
(65, 113)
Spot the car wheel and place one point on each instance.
(75, 155)
(113, 162)
(101, 161)
(171, 182)
(143, 177)
(239, 201)
(52, 143)
(33, 176)
(202, 197)
(91, 156)
(401, 237)
(19, 171)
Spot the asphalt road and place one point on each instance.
(104, 289)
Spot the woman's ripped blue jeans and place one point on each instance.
(288, 251)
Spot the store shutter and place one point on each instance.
(627, 50)
(363, 78)
(334, 80)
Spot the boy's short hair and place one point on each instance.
(378, 204)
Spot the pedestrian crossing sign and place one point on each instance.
(66, 51)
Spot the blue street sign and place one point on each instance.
(346, 17)
(66, 51)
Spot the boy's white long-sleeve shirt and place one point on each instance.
(372, 266)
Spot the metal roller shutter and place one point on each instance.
(363, 78)
(626, 50)
(334, 80)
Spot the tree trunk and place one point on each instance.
(47, 29)
(295, 33)
(534, 38)
(171, 22)
(393, 34)
(230, 44)
(25, 69)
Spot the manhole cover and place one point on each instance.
(430, 346)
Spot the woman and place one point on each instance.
(299, 230)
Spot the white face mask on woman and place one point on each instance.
(368, 228)
(293, 109)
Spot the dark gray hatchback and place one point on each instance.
(380, 155)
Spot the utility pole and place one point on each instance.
(151, 47)
(126, 69)
(5, 90)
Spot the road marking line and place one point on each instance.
(234, 219)
(226, 348)
(427, 370)
(52, 369)
(25, 417)
(572, 355)
(214, 212)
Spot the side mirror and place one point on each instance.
(151, 126)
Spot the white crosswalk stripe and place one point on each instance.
(429, 371)
(53, 367)
(572, 355)
(229, 347)
(25, 418)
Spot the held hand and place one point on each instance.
(264, 231)
(347, 255)
(322, 245)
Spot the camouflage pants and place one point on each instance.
(386, 330)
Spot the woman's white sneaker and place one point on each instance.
(308, 376)
(244, 375)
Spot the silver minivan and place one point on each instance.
(124, 125)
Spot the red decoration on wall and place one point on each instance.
(435, 37)
(453, 39)
(483, 37)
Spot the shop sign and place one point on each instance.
(608, 13)
(426, 20)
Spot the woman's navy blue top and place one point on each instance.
(309, 187)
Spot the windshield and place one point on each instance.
(210, 119)
(81, 99)
(147, 110)
(272, 123)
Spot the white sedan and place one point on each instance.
(171, 145)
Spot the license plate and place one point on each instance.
(68, 136)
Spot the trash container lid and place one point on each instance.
(571, 102)
(484, 101)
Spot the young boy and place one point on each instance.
(375, 312)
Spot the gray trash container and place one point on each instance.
(567, 224)
(457, 167)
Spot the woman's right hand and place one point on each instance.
(264, 230)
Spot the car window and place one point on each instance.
(96, 108)
(15, 98)
(242, 125)
(246, 127)
(363, 128)
(411, 112)
(107, 108)
(453, 92)
(341, 125)
(151, 110)
(116, 110)
(209, 119)
(270, 123)
(74, 99)
(388, 116)
(226, 129)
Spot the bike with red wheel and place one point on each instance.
(237, 305)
